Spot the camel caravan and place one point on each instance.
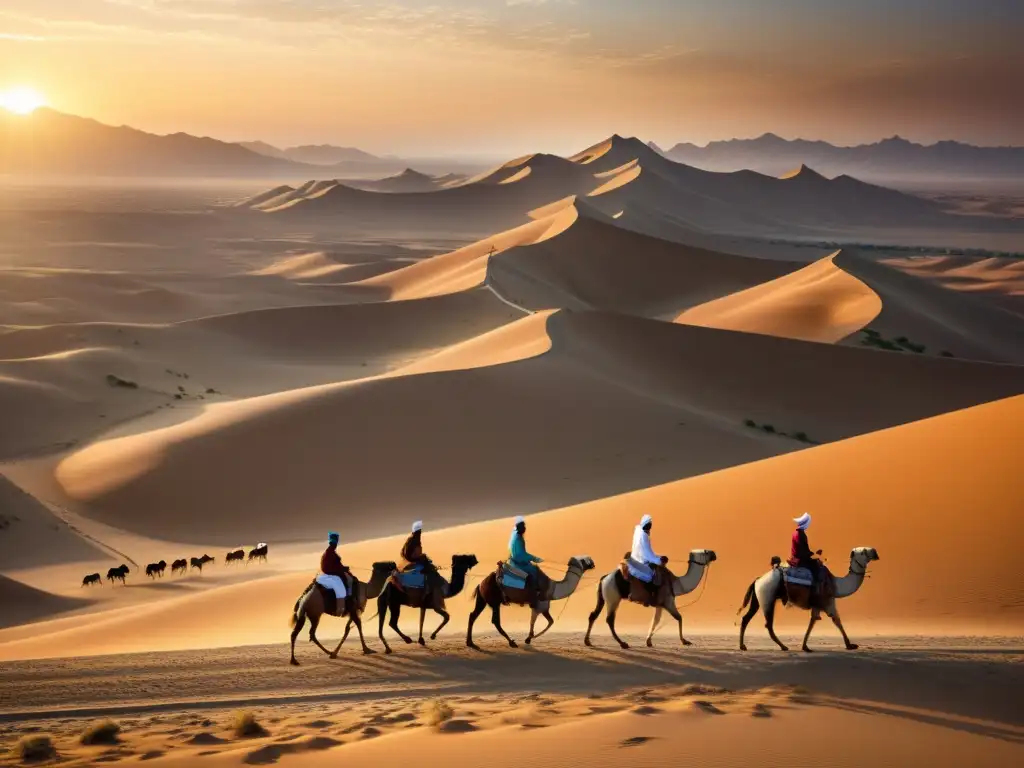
(642, 578)
(182, 566)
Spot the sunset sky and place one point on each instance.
(501, 76)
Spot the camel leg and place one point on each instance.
(533, 623)
(654, 626)
(314, 622)
(496, 621)
(477, 610)
(546, 615)
(382, 613)
(611, 626)
(810, 626)
(445, 618)
(367, 650)
(751, 612)
(769, 622)
(423, 616)
(594, 614)
(395, 613)
(839, 624)
(344, 637)
(675, 614)
(299, 624)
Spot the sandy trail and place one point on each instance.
(934, 700)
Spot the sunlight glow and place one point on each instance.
(22, 101)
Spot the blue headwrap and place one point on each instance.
(333, 538)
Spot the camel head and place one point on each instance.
(703, 556)
(863, 555)
(386, 566)
(464, 561)
(581, 562)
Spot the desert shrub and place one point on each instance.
(802, 437)
(102, 732)
(246, 726)
(437, 711)
(750, 423)
(36, 749)
(769, 428)
(946, 353)
(872, 333)
(117, 381)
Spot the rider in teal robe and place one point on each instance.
(517, 553)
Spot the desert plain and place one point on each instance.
(195, 368)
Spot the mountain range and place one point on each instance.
(893, 158)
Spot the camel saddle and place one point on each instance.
(802, 591)
(331, 607)
(511, 581)
(638, 591)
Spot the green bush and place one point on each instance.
(750, 423)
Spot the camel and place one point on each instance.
(156, 569)
(614, 587)
(488, 593)
(766, 590)
(233, 556)
(392, 599)
(92, 578)
(310, 605)
(199, 562)
(179, 565)
(118, 574)
(259, 553)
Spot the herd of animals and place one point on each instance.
(182, 566)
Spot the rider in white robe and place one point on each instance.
(643, 559)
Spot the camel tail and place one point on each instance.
(746, 598)
(475, 593)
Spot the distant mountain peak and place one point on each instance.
(803, 171)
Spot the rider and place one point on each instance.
(801, 555)
(645, 564)
(412, 554)
(523, 560)
(332, 573)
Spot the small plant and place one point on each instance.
(102, 732)
(436, 712)
(769, 428)
(246, 726)
(946, 353)
(117, 381)
(750, 423)
(36, 749)
(802, 437)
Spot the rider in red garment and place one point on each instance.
(801, 555)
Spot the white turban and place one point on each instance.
(417, 526)
(520, 519)
(645, 520)
(803, 521)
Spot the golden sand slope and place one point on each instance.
(999, 279)
(907, 491)
(525, 435)
(820, 302)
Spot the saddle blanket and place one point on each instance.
(413, 579)
(799, 576)
(639, 570)
(513, 582)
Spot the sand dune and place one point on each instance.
(941, 320)
(636, 395)
(820, 302)
(743, 513)
(999, 280)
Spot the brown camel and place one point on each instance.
(488, 593)
(311, 605)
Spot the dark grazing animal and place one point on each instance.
(92, 578)
(199, 562)
(179, 565)
(118, 574)
(156, 569)
(259, 553)
(237, 555)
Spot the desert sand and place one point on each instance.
(580, 340)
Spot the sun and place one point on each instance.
(22, 100)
